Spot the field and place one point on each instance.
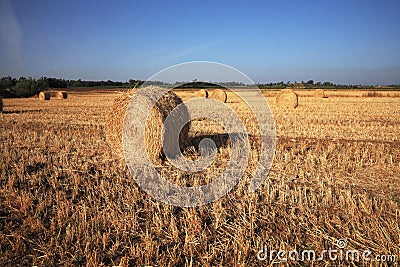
(66, 199)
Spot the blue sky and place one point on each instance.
(342, 41)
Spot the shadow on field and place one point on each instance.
(22, 111)
(220, 140)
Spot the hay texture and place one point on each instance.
(203, 93)
(1, 104)
(319, 93)
(154, 123)
(219, 95)
(44, 96)
(61, 95)
(287, 98)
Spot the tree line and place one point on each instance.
(310, 84)
(26, 87)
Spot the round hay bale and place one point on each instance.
(61, 95)
(319, 93)
(220, 95)
(44, 96)
(203, 93)
(287, 98)
(1, 104)
(154, 123)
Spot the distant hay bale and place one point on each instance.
(287, 98)
(61, 95)
(1, 104)
(154, 123)
(319, 93)
(203, 93)
(44, 96)
(220, 95)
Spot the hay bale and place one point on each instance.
(287, 98)
(220, 95)
(61, 95)
(1, 104)
(44, 96)
(154, 123)
(319, 93)
(203, 93)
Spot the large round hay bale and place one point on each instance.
(44, 96)
(1, 104)
(220, 95)
(319, 93)
(287, 98)
(154, 123)
(61, 95)
(203, 93)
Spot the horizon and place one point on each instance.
(289, 82)
(343, 42)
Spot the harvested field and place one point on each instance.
(66, 199)
(319, 93)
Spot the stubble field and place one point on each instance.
(66, 199)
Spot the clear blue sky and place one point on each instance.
(342, 41)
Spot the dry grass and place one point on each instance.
(380, 94)
(287, 98)
(66, 200)
(319, 93)
(220, 95)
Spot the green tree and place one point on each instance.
(29, 87)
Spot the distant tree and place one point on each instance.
(77, 83)
(29, 87)
(310, 82)
(134, 83)
(56, 83)
(6, 84)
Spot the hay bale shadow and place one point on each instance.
(220, 140)
(22, 111)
